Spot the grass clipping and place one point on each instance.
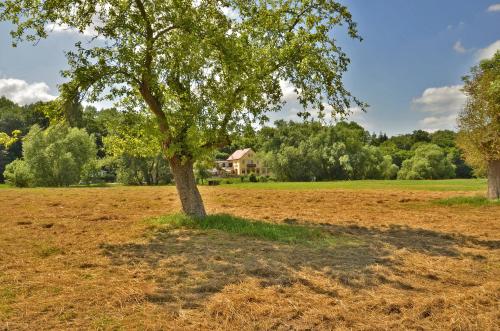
(283, 233)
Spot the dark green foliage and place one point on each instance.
(56, 156)
(311, 151)
(294, 151)
(201, 170)
(403, 147)
(428, 162)
(19, 174)
(134, 170)
(15, 117)
(252, 178)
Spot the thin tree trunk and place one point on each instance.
(191, 201)
(494, 179)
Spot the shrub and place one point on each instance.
(252, 178)
(263, 179)
(57, 156)
(91, 173)
(18, 173)
(429, 162)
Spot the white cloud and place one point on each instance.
(488, 51)
(440, 100)
(494, 7)
(441, 106)
(64, 28)
(459, 48)
(433, 123)
(22, 92)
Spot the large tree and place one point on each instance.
(202, 68)
(479, 122)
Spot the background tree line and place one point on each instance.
(84, 146)
(312, 151)
(110, 145)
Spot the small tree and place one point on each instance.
(479, 122)
(55, 156)
(17, 173)
(202, 68)
(202, 168)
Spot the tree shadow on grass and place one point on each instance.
(190, 265)
(432, 243)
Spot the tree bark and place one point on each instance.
(494, 179)
(191, 201)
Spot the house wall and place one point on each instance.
(241, 166)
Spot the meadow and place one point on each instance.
(364, 255)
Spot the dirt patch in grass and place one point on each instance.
(101, 265)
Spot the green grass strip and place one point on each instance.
(420, 185)
(469, 201)
(284, 233)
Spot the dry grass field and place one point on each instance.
(92, 258)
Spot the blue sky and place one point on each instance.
(408, 67)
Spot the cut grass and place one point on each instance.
(421, 185)
(45, 251)
(284, 233)
(476, 201)
(7, 296)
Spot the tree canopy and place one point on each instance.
(204, 68)
(479, 122)
(56, 156)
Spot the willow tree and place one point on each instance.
(479, 122)
(203, 68)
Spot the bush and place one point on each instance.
(429, 162)
(91, 173)
(252, 178)
(18, 173)
(263, 179)
(57, 156)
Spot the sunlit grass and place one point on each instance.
(284, 233)
(424, 185)
(470, 201)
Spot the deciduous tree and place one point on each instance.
(203, 68)
(479, 122)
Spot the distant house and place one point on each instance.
(243, 162)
